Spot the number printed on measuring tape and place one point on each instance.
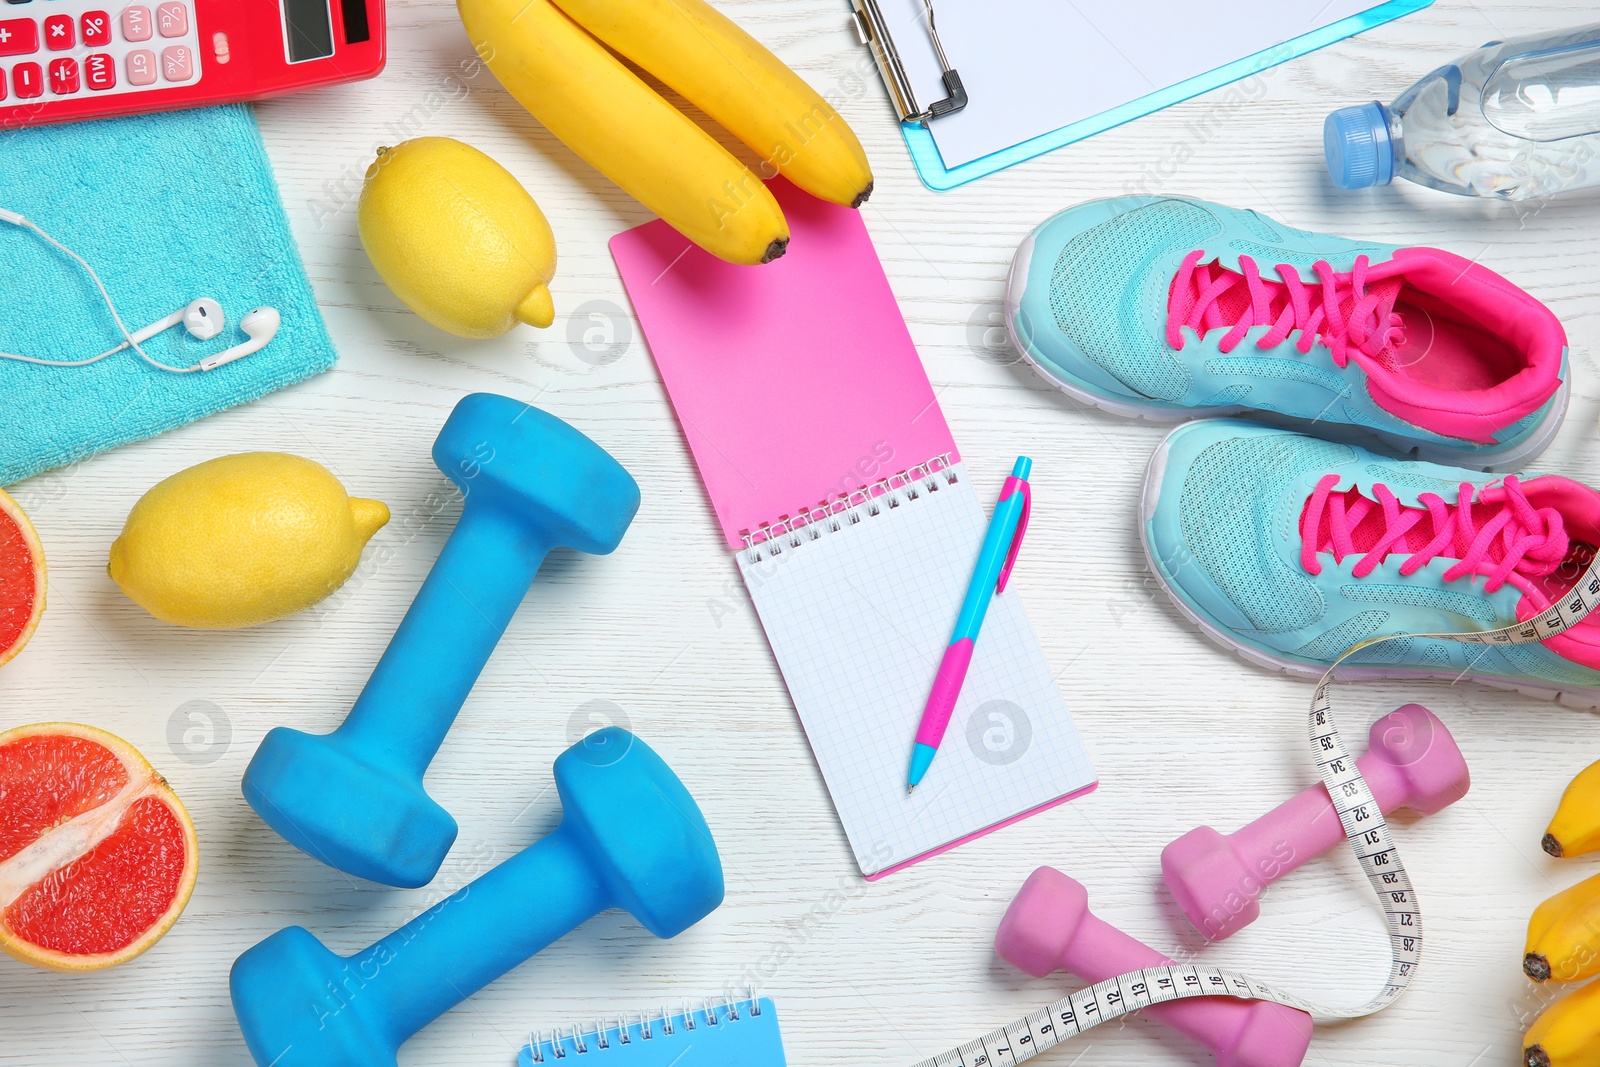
(1368, 834)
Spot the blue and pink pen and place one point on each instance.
(999, 552)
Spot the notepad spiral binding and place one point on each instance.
(848, 509)
(558, 1044)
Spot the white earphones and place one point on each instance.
(202, 319)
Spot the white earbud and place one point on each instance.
(260, 325)
(202, 318)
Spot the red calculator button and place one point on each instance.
(177, 63)
(142, 67)
(172, 19)
(96, 29)
(2, 83)
(63, 76)
(100, 72)
(28, 80)
(18, 37)
(59, 33)
(136, 25)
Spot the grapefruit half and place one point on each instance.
(22, 578)
(97, 854)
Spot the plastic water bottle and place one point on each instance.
(1515, 120)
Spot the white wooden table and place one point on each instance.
(662, 637)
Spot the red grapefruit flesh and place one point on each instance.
(97, 854)
(22, 578)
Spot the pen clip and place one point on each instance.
(1022, 526)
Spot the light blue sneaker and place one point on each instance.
(1169, 308)
(1289, 549)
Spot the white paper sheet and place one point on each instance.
(1032, 66)
(858, 619)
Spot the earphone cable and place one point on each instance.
(128, 340)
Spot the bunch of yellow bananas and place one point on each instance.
(1564, 939)
(553, 57)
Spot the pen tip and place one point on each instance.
(910, 789)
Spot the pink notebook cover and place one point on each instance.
(809, 387)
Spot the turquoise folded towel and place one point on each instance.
(166, 208)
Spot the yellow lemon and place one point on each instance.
(241, 540)
(457, 238)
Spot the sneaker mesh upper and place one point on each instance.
(1411, 596)
(1226, 509)
(1395, 476)
(1434, 654)
(1539, 662)
(1341, 637)
(1100, 279)
(1269, 256)
(1389, 652)
(1227, 397)
(1269, 367)
(1264, 228)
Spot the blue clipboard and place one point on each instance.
(935, 175)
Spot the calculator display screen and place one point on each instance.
(308, 29)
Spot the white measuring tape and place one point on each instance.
(1368, 834)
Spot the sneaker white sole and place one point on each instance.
(1509, 459)
(1151, 492)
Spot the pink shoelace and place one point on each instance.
(1205, 297)
(1508, 539)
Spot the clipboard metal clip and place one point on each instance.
(873, 30)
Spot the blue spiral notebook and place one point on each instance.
(736, 1034)
(1040, 74)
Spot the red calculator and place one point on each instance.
(62, 60)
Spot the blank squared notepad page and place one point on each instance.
(858, 615)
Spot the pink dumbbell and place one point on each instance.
(1049, 926)
(1411, 762)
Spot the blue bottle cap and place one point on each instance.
(1358, 145)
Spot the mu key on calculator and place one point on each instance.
(62, 60)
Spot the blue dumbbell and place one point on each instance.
(354, 798)
(630, 837)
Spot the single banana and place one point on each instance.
(605, 113)
(732, 77)
(1567, 1033)
(1564, 935)
(1576, 826)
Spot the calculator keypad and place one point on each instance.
(69, 48)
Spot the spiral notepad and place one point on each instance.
(738, 1034)
(855, 526)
